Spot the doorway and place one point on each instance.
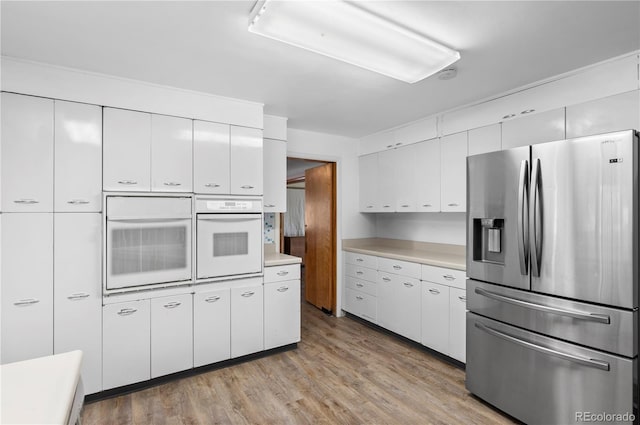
(308, 228)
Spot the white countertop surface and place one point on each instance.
(277, 259)
(39, 391)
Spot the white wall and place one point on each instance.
(449, 228)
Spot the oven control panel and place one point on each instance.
(228, 205)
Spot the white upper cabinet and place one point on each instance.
(275, 175)
(171, 154)
(78, 157)
(485, 139)
(27, 153)
(613, 113)
(418, 131)
(368, 179)
(210, 157)
(405, 178)
(127, 150)
(387, 170)
(376, 142)
(246, 161)
(428, 175)
(532, 129)
(453, 154)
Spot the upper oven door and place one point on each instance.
(228, 244)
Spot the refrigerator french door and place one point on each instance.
(552, 257)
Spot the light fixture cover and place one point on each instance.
(345, 31)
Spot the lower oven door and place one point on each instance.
(228, 245)
(142, 252)
(542, 380)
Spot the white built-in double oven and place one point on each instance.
(160, 241)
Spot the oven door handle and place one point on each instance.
(146, 219)
(229, 217)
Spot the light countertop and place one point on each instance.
(273, 258)
(433, 254)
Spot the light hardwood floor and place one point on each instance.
(343, 372)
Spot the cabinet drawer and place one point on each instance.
(361, 304)
(362, 260)
(361, 272)
(404, 268)
(449, 277)
(280, 273)
(362, 285)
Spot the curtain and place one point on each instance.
(294, 217)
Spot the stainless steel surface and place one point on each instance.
(588, 191)
(548, 315)
(524, 376)
(536, 220)
(523, 214)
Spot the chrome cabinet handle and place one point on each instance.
(246, 186)
(359, 272)
(389, 146)
(452, 205)
(369, 206)
(172, 184)
(399, 143)
(463, 299)
(359, 298)
(247, 294)
(282, 273)
(269, 205)
(212, 299)
(386, 279)
(426, 205)
(127, 311)
(405, 206)
(449, 277)
(359, 260)
(595, 317)
(386, 206)
(78, 296)
(26, 302)
(26, 201)
(127, 182)
(397, 267)
(523, 224)
(434, 291)
(359, 285)
(211, 185)
(78, 202)
(283, 289)
(408, 285)
(172, 304)
(585, 361)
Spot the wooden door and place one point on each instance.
(320, 236)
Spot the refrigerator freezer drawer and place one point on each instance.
(609, 329)
(541, 380)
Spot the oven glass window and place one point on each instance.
(139, 250)
(236, 243)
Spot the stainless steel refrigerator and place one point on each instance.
(552, 261)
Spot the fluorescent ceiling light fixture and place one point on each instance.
(345, 31)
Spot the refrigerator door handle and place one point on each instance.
(536, 222)
(585, 361)
(523, 217)
(594, 317)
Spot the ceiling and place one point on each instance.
(205, 46)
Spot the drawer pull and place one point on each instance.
(172, 304)
(449, 277)
(453, 205)
(359, 285)
(359, 272)
(78, 202)
(283, 289)
(127, 311)
(359, 298)
(26, 201)
(211, 185)
(78, 296)
(172, 184)
(282, 273)
(386, 279)
(369, 206)
(386, 206)
(463, 299)
(269, 205)
(359, 260)
(408, 285)
(212, 299)
(26, 302)
(434, 291)
(397, 267)
(127, 182)
(405, 206)
(246, 186)
(247, 294)
(426, 205)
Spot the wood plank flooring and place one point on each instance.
(343, 372)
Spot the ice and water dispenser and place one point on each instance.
(487, 240)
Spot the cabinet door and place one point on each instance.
(428, 176)
(533, 129)
(275, 175)
(171, 334)
(78, 157)
(435, 316)
(127, 150)
(613, 113)
(485, 139)
(368, 186)
(247, 332)
(27, 286)
(387, 302)
(361, 304)
(27, 153)
(457, 324)
(281, 313)
(387, 170)
(126, 343)
(210, 157)
(453, 153)
(407, 304)
(211, 327)
(405, 183)
(246, 161)
(171, 154)
(78, 292)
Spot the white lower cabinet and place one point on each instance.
(435, 316)
(126, 343)
(247, 320)
(399, 304)
(77, 283)
(457, 324)
(361, 304)
(171, 334)
(281, 313)
(211, 326)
